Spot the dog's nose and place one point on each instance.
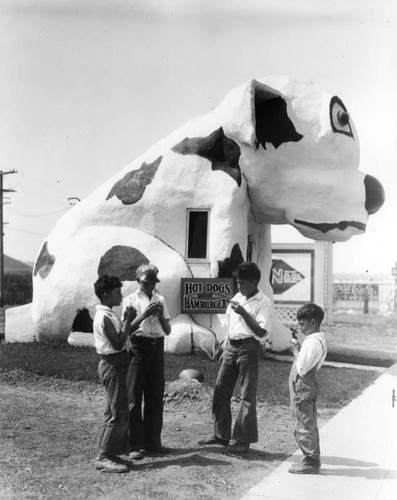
(374, 194)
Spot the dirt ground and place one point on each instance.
(43, 457)
(48, 431)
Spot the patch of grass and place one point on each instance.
(58, 360)
(338, 385)
(363, 338)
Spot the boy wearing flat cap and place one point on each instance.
(145, 378)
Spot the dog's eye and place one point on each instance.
(340, 119)
(343, 118)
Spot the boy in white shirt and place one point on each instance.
(146, 381)
(304, 387)
(110, 334)
(249, 317)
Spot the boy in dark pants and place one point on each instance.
(110, 335)
(304, 387)
(249, 319)
(146, 380)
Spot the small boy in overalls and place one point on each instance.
(304, 387)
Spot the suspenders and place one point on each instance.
(324, 353)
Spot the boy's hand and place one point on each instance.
(154, 309)
(160, 309)
(237, 308)
(256, 328)
(130, 314)
(294, 345)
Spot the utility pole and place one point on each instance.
(2, 232)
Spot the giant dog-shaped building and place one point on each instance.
(275, 151)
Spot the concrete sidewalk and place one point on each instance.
(358, 454)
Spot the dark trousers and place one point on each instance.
(146, 385)
(113, 435)
(304, 391)
(239, 362)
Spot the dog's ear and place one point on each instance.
(255, 114)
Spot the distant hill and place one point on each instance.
(13, 266)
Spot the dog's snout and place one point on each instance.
(374, 194)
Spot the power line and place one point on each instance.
(41, 215)
(52, 193)
(25, 231)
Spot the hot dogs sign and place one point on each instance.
(206, 295)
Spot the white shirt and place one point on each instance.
(259, 307)
(150, 327)
(102, 343)
(313, 352)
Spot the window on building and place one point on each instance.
(197, 237)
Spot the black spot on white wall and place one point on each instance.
(222, 152)
(227, 266)
(131, 187)
(44, 262)
(121, 261)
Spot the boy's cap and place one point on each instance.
(148, 273)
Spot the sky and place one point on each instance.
(89, 85)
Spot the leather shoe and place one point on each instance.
(238, 448)
(214, 440)
(304, 469)
(107, 465)
(135, 455)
